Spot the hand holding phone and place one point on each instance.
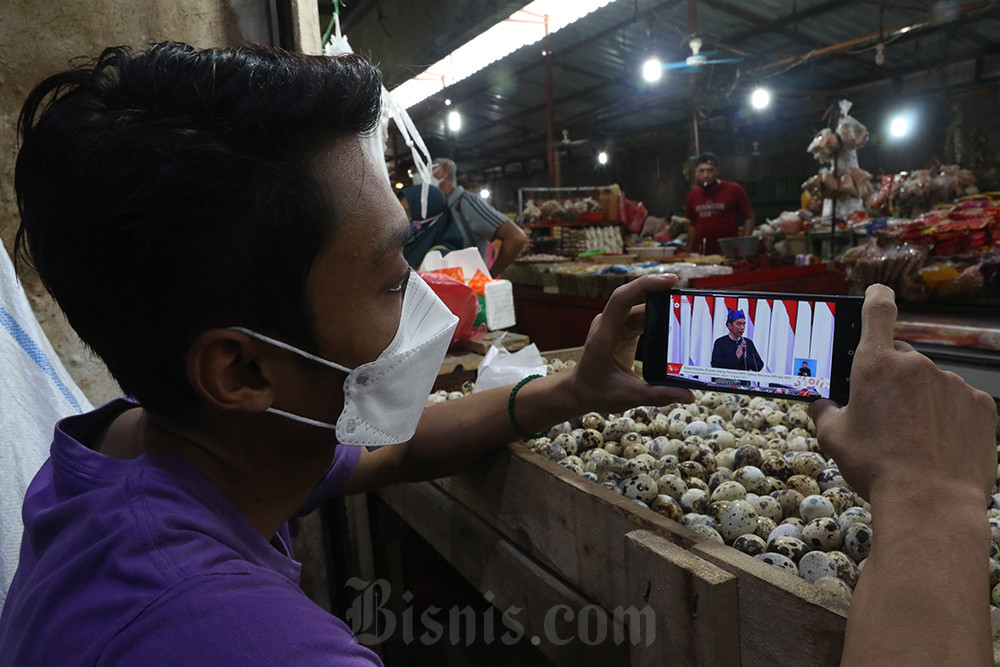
(789, 345)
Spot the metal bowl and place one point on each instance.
(736, 247)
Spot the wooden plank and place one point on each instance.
(694, 603)
(568, 523)
(540, 607)
(783, 619)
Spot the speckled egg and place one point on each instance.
(589, 475)
(672, 485)
(755, 439)
(695, 500)
(614, 430)
(591, 438)
(854, 515)
(630, 438)
(858, 541)
(784, 530)
(610, 476)
(834, 585)
(613, 447)
(815, 506)
(706, 457)
(729, 491)
(642, 414)
(681, 414)
(790, 499)
(722, 439)
(747, 455)
(788, 546)
(823, 533)
(696, 483)
(641, 487)
(636, 466)
(994, 550)
(995, 529)
(658, 446)
(750, 544)
(847, 570)
(593, 421)
(571, 465)
(716, 507)
(696, 427)
(772, 484)
(995, 596)
(710, 533)
(611, 486)
(794, 521)
(750, 477)
(692, 469)
(841, 497)
(764, 527)
(726, 458)
(551, 451)
(696, 518)
(804, 484)
(780, 561)
(774, 466)
(668, 507)
(558, 429)
(830, 478)
(769, 507)
(568, 442)
(994, 572)
(717, 478)
(798, 418)
(808, 463)
(816, 565)
(738, 518)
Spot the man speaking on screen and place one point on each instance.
(734, 350)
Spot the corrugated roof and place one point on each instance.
(807, 51)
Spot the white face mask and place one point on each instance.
(384, 399)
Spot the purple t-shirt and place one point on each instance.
(146, 562)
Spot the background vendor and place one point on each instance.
(717, 209)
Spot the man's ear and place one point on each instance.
(445, 170)
(230, 371)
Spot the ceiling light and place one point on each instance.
(454, 121)
(760, 98)
(602, 157)
(447, 102)
(484, 193)
(899, 126)
(399, 185)
(652, 69)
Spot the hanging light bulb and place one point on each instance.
(760, 98)
(602, 157)
(880, 54)
(484, 193)
(454, 121)
(652, 69)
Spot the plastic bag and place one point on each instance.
(853, 135)
(501, 368)
(632, 214)
(461, 301)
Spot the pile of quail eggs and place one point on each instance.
(743, 471)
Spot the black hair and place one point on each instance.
(707, 158)
(172, 191)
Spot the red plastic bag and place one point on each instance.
(462, 301)
(632, 214)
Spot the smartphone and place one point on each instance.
(794, 346)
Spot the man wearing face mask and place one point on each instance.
(247, 288)
(214, 229)
(480, 223)
(435, 231)
(717, 209)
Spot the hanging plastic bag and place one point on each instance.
(853, 135)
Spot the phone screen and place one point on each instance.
(795, 346)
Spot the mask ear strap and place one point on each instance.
(291, 348)
(299, 418)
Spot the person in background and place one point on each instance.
(481, 223)
(804, 370)
(436, 231)
(717, 209)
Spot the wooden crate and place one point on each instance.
(536, 535)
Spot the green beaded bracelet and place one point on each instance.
(510, 409)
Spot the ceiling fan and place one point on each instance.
(566, 142)
(698, 59)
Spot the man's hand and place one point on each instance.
(603, 379)
(919, 444)
(741, 349)
(906, 420)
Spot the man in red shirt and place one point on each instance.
(715, 208)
